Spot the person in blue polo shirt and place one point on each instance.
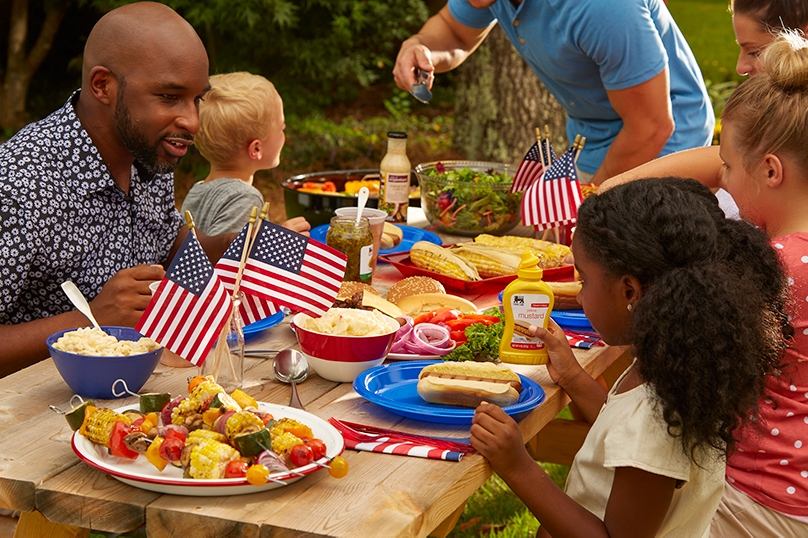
(621, 69)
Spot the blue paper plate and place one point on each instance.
(411, 236)
(393, 386)
(262, 324)
(571, 319)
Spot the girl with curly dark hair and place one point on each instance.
(701, 301)
(763, 163)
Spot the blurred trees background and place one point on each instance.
(331, 61)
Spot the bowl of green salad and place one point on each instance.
(469, 197)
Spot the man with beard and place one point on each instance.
(87, 194)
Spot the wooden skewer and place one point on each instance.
(541, 148)
(245, 250)
(547, 144)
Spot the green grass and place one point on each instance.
(707, 26)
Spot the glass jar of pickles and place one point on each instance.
(356, 242)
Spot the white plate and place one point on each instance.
(142, 474)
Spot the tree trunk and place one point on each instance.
(499, 101)
(21, 64)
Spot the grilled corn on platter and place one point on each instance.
(207, 434)
(487, 256)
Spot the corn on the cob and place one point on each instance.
(295, 427)
(202, 393)
(283, 443)
(209, 458)
(99, 425)
(242, 422)
(489, 261)
(437, 259)
(555, 253)
(199, 436)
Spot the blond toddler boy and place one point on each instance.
(241, 132)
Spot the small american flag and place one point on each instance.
(554, 200)
(252, 308)
(531, 169)
(190, 306)
(292, 270)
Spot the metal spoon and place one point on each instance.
(363, 199)
(420, 90)
(78, 300)
(291, 367)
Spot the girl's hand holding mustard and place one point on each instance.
(563, 367)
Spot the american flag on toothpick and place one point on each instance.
(253, 308)
(190, 306)
(292, 270)
(554, 200)
(538, 158)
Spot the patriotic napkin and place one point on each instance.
(373, 439)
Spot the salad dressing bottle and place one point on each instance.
(527, 301)
(394, 187)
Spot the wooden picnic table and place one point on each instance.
(382, 495)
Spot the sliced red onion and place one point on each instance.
(162, 431)
(222, 420)
(271, 461)
(422, 339)
(432, 334)
(165, 413)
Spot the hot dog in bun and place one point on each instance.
(468, 384)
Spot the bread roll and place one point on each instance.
(348, 289)
(566, 295)
(469, 383)
(413, 285)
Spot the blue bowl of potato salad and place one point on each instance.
(92, 360)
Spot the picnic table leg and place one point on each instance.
(442, 530)
(35, 525)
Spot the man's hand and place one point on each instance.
(126, 295)
(413, 54)
(298, 224)
(440, 46)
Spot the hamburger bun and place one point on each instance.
(413, 285)
(415, 305)
(348, 289)
(469, 383)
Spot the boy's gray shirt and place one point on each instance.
(222, 205)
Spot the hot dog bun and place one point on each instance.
(566, 295)
(468, 384)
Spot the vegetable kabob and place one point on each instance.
(210, 435)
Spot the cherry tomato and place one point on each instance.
(236, 469)
(338, 467)
(317, 447)
(257, 475)
(301, 455)
(194, 381)
(116, 445)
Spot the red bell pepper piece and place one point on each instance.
(482, 318)
(460, 324)
(116, 445)
(458, 336)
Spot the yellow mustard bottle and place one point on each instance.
(527, 301)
